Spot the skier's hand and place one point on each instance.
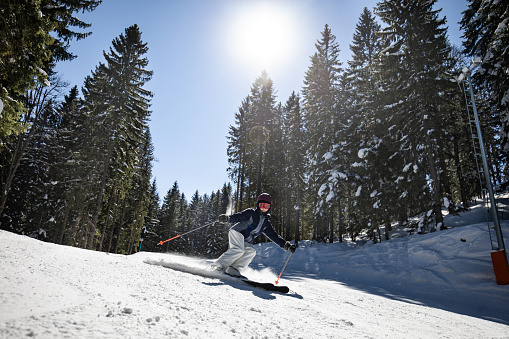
(223, 218)
(290, 247)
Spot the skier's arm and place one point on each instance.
(241, 216)
(273, 236)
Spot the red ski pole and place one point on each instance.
(196, 229)
(284, 266)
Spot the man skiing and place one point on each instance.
(249, 224)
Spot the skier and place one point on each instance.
(249, 224)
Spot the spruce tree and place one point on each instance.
(255, 142)
(362, 99)
(118, 103)
(322, 114)
(237, 152)
(148, 234)
(41, 30)
(295, 153)
(414, 58)
(167, 216)
(37, 119)
(485, 24)
(261, 150)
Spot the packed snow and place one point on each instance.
(436, 285)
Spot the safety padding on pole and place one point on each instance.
(501, 267)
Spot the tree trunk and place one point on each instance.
(60, 237)
(331, 226)
(71, 239)
(118, 229)
(32, 117)
(21, 148)
(435, 184)
(297, 217)
(102, 186)
(459, 174)
(341, 228)
(388, 227)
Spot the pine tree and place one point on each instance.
(237, 151)
(265, 116)
(255, 142)
(295, 136)
(41, 30)
(138, 196)
(362, 99)
(457, 146)
(218, 236)
(413, 60)
(149, 235)
(322, 109)
(39, 106)
(168, 215)
(487, 36)
(119, 106)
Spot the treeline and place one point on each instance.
(383, 138)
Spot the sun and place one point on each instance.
(263, 35)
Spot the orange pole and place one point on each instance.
(196, 229)
(286, 262)
(162, 242)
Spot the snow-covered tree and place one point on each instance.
(416, 49)
(361, 97)
(486, 26)
(295, 153)
(322, 109)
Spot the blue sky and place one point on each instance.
(203, 69)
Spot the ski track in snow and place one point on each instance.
(427, 286)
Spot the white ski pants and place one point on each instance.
(239, 254)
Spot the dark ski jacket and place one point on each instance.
(252, 222)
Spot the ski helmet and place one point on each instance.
(264, 197)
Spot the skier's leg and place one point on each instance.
(234, 252)
(246, 258)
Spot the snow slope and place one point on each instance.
(420, 286)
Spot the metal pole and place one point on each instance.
(494, 213)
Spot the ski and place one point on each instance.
(212, 273)
(264, 286)
(267, 286)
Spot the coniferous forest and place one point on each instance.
(360, 146)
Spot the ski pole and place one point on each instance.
(175, 237)
(284, 266)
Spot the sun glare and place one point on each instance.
(264, 35)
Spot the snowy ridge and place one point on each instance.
(437, 285)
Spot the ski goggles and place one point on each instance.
(264, 205)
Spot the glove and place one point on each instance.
(223, 218)
(290, 247)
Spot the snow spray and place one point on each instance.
(229, 208)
